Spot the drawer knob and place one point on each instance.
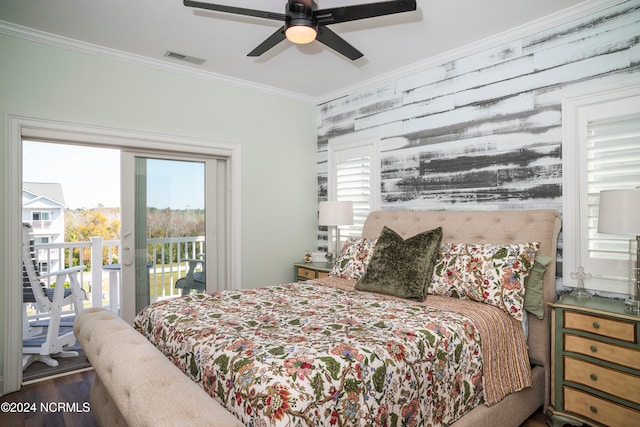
(593, 348)
(593, 409)
(594, 377)
(596, 325)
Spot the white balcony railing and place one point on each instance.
(165, 267)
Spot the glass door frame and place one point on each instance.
(17, 128)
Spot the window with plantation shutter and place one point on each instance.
(354, 176)
(601, 151)
(613, 163)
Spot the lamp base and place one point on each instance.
(632, 305)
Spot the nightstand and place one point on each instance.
(311, 270)
(595, 352)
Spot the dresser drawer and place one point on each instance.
(600, 410)
(609, 352)
(307, 273)
(612, 328)
(322, 274)
(616, 383)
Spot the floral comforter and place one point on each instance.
(310, 354)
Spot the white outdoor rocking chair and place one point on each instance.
(44, 347)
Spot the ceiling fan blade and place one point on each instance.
(235, 10)
(337, 43)
(270, 42)
(363, 11)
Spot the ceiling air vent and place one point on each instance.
(185, 58)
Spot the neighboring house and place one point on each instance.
(43, 207)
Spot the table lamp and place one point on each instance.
(620, 214)
(333, 214)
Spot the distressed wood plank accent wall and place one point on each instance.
(484, 131)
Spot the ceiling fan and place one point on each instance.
(304, 23)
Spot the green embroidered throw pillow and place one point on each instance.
(400, 267)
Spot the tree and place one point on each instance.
(82, 224)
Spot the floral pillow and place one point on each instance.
(488, 273)
(354, 258)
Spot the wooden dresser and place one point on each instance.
(311, 270)
(596, 363)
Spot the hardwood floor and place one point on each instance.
(57, 402)
(74, 390)
(536, 420)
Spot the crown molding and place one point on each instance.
(558, 18)
(42, 37)
(564, 16)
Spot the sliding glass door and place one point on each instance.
(220, 242)
(174, 210)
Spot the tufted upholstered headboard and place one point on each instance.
(489, 227)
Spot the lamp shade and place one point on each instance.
(336, 213)
(619, 212)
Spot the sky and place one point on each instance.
(91, 176)
(175, 184)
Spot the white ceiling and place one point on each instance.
(149, 28)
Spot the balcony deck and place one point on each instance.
(167, 264)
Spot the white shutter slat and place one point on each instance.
(352, 181)
(613, 162)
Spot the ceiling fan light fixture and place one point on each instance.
(304, 23)
(300, 34)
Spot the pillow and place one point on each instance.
(533, 296)
(353, 259)
(489, 273)
(402, 267)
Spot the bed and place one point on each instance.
(327, 352)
